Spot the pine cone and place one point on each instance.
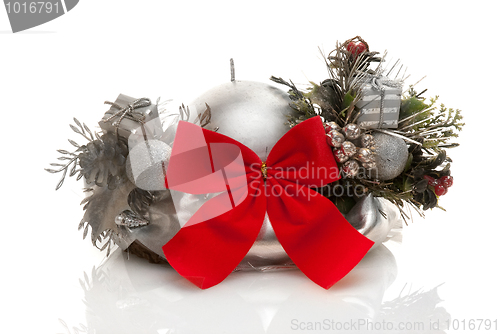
(103, 161)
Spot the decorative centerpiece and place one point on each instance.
(249, 177)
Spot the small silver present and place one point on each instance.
(137, 113)
(379, 103)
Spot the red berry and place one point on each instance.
(446, 181)
(351, 46)
(431, 181)
(356, 49)
(360, 48)
(440, 190)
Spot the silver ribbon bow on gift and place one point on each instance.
(128, 111)
(379, 83)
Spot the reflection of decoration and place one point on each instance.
(126, 295)
(420, 308)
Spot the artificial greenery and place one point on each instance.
(427, 129)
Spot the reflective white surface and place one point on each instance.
(128, 295)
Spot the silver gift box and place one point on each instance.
(129, 126)
(379, 93)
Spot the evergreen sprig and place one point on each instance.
(72, 158)
(428, 129)
(300, 102)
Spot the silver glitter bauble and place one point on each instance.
(334, 138)
(352, 131)
(252, 113)
(145, 164)
(350, 168)
(391, 154)
(329, 126)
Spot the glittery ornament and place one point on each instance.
(391, 154)
(367, 141)
(350, 168)
(349, 149)
(334, 138)
(329, 126)
(145, 164)
(352, 131)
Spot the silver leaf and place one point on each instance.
(103, 206)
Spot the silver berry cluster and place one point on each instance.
(344, 142)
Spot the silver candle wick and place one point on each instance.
(231, 62)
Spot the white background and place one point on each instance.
(68, 67)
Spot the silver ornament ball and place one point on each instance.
(391, 154)
(145, 164)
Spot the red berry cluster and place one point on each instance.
(440, 185)
(356, 48)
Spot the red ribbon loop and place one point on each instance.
(315, 235)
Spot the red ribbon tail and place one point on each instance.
(207, 251)
(313, 232)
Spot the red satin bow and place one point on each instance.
(314, 234)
